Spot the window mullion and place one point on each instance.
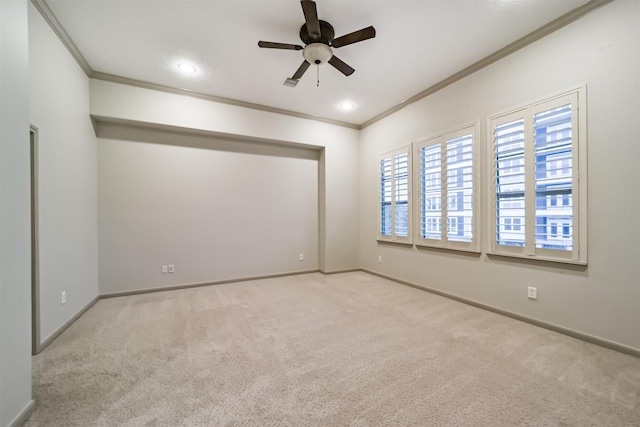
(575, 174)
(530, 184)
(444, 182)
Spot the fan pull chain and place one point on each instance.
(318, 74)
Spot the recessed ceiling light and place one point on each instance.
(346, 106)
(186, 68)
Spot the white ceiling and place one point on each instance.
(418, 44)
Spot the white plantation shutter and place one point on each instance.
(538, 159)
(394, 199)
(445, 202)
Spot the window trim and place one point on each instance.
(393, 237)
(442, 138)
(578, 255)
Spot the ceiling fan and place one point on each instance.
(318, 37)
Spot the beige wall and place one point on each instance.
(15, 256)
(67, 178)
(601, 50)
(216, 209)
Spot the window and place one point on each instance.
(446, 191)
(394, 213)
(538, 164)
(516, 224)
(452, 226)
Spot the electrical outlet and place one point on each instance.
(172, 268)
(63, 297)
(164, 269)
(532, 292)
(301, 257)
(379, 258)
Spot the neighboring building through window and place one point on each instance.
(539, 180)
(394, 213)
(445, 173)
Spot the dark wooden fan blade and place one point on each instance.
(274, 45)
(311, 18)
(356, 36)
(341, 66)
(303, 67)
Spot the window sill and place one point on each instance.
(462, 251)
(392, 243)
(539, 260)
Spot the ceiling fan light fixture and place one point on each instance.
(317, 53)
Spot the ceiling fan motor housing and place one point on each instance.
(326, 34)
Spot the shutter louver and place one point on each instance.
(446, 171)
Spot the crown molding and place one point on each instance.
(57, 28)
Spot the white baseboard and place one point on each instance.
(44, 343)
(200, 284)
(24, 415)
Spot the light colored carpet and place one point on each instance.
(345, 349)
